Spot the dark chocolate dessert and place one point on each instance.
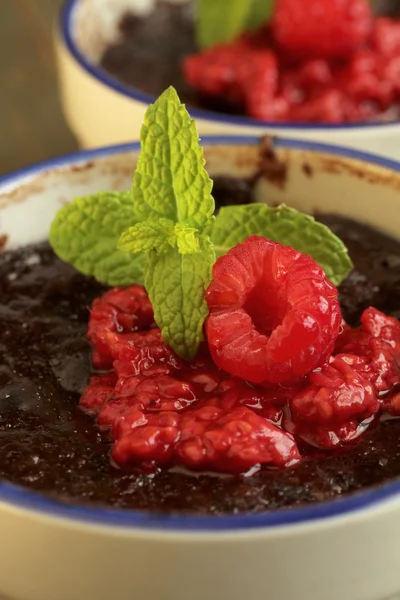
(48, 444)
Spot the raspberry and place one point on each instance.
(239, 72)
(335, 405)
(164, 393)
(98, 392)
(149, 394)
(369, 77)
(274, 316)
(336, 394)
(117, 311)
(328, 437)
(203, 439)
(377, 340)
(235, 393)
(329, 106)
(315, 73)
(141, 353)
(386, 36)
(233, 442)
(147, 438)
(115, 408)
(321, 28)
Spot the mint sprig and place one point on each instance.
(172, 194)
(163, 233)
(219, 22)
(85, 233)
(170, 180)
(176, 284)
(286, 225)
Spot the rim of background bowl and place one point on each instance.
(30, 500)
(65, 25)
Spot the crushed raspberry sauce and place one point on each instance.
(283, 371)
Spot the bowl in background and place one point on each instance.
(344, 549)
(101, 110)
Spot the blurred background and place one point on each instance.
(32, 125)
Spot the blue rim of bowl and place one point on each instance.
(34, 501)
(66, 19)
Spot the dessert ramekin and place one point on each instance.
(101, 110)
(345, 549)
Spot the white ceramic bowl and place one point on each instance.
(342, 550)
(101, 110)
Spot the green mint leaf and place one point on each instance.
(176, 284)
(160, 235)
(170, 181)
(85, 234)
(148, 235)
(187, 241)
(217, 23)
(234, 224)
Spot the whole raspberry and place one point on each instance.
(274, 316)
(321, 28)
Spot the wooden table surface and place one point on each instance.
(31, 123)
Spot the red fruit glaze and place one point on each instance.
(274, 316)
(321, 28)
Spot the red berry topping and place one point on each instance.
(336, 400)
(241, 73)
(321, 28)
(274, 316)
(98, 392)
(147, 438)
(203, 439)
(272, 312)
(386, 36)
(335, 394)
(141, 353)
(233, 442)
(117, 311)
(377, 340)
